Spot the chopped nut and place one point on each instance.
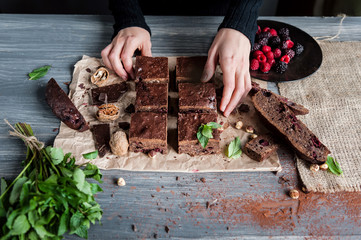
(121, 182)
(314, 167)
(253, 136)
(305, 190)
(152, 154)
(324, 167)
(294, 194)
(108, 112)
(239, 124)
(249, 129)
(119, 143)
(100, 77)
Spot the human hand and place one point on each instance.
(231, 49)
(118, 54)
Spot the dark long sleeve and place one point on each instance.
(242, 16)
(127, 13)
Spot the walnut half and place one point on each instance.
(100, 77)
(108, 112)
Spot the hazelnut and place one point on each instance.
(121, 182)
(239, 124)
(249, 129)
(324, 166)
(253, 136)
(119, 143)
(305, 190)
(100, 77)
(294, 194)
(108, 112)
(314, 167)
(152, 154)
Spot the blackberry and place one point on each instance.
(263, 41)
(280, 67)
(284, 45)
(274, 41)
(298, 48)
(284, 32)
(285, 38)
(256, 46)
(264, 35)
(290, 53)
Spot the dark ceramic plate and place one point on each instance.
(300, 66)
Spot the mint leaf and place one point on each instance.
(3, 186)
(15, 193)
(207, 131)
(234, 149)
(214, 125)
(20, 226)
(91, 155)
(39, 72)
(333, 166)
(204, 132)
(202, 139)
(56, 154)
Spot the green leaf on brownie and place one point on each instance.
(39, 72)
(333, 166)
(234, 149)
(91, 155)
(204, 132)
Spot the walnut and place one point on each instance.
(119, 143)
(100, 77)
(108, 112)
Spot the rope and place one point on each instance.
(328, 38)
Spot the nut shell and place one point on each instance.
(100, 77)
(108, 112)
(119, 143)
(294, 194)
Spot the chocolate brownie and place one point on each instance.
(188, 124)
(260, 147)
(197, 97)
(190, 69)
(108, 94)
(63, 107)
(151, 69)
(101, 133)
(148, 131)
(282, 120)
(151, 97)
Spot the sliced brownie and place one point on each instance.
(260, 147)
(282, 120)
(151, 97)
(190, 69)
(108, 94)
(197, 97)
(188, 124)
(151, 69)
(148, 131)
(101, 133)
(63, 107)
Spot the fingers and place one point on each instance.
(114, 58)
(209, 67)
(146, 49)
(105, 56)
(228, 82)
(128, 50)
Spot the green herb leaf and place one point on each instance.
(39, 72)
(91, 155)
(204, 132)
(207, 131)
(202, 139)
(214, 125)
(3, 186)
(234, 149)
(56, 154)
(333, 166)
(15, 193)
(20, 226)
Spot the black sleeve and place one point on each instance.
(242, 16)
(127, 13)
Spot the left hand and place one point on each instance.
(231, 49)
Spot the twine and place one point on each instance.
(328, 38)
(30, 141)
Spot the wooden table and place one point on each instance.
(223, 205)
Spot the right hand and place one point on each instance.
(118, 54)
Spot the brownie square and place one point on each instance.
(197, 97)
(151, 69)
(108, 94)
(188, 124)
(151, 97)
(190, 69)
(148, 131)
(260, 148)
(101, 133)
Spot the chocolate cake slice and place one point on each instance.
(63, 107)
(282, 120)
(148, 131)
(190, 69)
(101, 133)
(151, 69)
(151, 97)
(188, 124)
(108, 94)
(260, 147)
(197, 97)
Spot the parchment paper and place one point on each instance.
(79, 143)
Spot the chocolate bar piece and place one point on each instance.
(63, 107)
(190, 69)
(101, 133)
(151, 97)
(108, 94)
(197, 97)
(151, 69)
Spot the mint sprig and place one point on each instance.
(234, 149)
(204, 132)
(39, 72)
(333, 166)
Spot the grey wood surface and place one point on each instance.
(151, 201)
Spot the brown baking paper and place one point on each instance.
(79, 143)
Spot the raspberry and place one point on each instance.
(256, 46)
(284, 32)
(290, 53)
(274, 41)
(266, 29)
(280, 67)
(262, 58)
(298, 48)
(266, 49)
(289, 44)
(254, 64)
(285, 58)
(273, 32)
(270, 55)
(265, 67)
(263, 41)
(277, 53)
(256, 53)
(271, 61)
(259, 30)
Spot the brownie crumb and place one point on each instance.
(166, 228)
(203, 180)
(81, 85)
(55, 129)
(134, 228)
(155, 235)
(177, 178)
(244, 108)
(67, 83)
(88, 70)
